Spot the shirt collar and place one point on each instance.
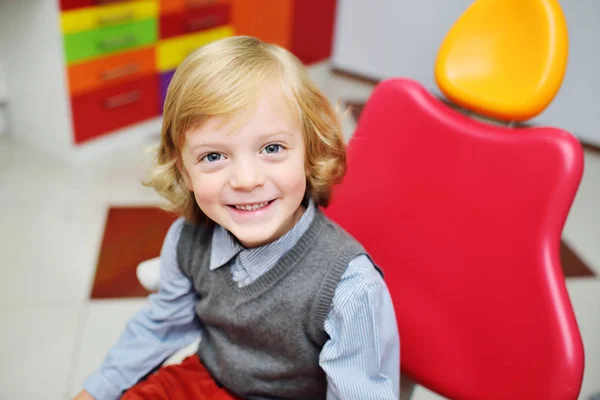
(225, 247)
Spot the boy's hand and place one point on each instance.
(83, 395)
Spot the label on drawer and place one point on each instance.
(91, 44)
(177, 6)
(108, 15)
(171, 52)
(194, 20)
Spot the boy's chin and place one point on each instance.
(254, 236)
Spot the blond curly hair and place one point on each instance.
(224, 78)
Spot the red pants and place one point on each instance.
(185, 381)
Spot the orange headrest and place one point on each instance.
(504, 59)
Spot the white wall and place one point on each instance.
(3, 89)
(577, 106)
(390, 38)
(35, 74)
(4, 125)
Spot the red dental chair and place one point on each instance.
(465, 215)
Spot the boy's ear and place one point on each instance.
(184, 174)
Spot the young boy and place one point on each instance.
(288, 305)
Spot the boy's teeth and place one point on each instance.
(252, 207)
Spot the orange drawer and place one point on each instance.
(111, 108)
(113, 70)
(268, 20)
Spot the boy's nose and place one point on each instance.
(247, 176)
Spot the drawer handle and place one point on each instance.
(115, 43)
(115, 19)
(123, 99)
(199, 3)
(120, 72)
(197, 24)
(107, 1)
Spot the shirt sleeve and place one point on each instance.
(362, 357)
(168, 324)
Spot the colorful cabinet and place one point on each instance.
(120, 56)
(109, 51)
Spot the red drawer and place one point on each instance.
(111, 108)
(73, 4)
(194, 19)
(312, 36)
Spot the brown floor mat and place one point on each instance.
(131, 235)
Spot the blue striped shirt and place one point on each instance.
(361, 359)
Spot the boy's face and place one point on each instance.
(249, 177)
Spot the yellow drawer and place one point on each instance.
(171, 52)
(89, 18)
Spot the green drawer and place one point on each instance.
(110, 39)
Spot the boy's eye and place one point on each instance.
(212, 157)
(272, 148)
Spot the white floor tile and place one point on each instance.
(49, 250)
(337, 87)
(338, 90)
(582, 228)
(585, 297)
(28, 173)
(106, 320)
(36, 346)
(119, 182)
(422, 393)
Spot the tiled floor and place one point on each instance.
(52, 222)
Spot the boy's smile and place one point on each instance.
(248, 172)
(251, 209)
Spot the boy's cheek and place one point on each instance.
(206, 190)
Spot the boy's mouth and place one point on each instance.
(251, 206)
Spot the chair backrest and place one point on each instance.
(465, 219)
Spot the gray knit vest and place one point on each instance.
(263, 341)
